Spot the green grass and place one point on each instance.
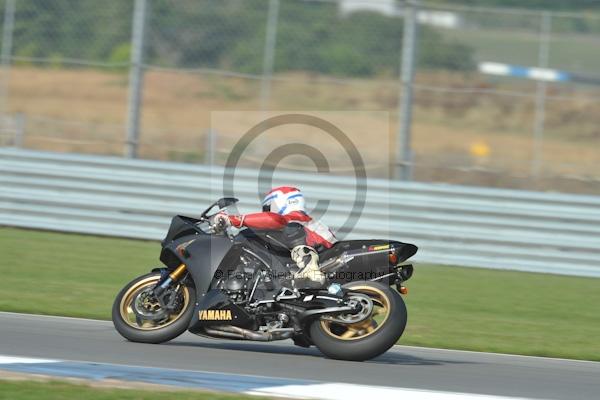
(506, 312)
(450, 307)
(62, 274)
(55, 390)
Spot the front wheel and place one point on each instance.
(372, 334)
(138, 316)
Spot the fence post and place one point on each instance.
(269, 54)
(210, 148)
(136, 78)
(7, 40)
(540, 96)
(19, 123)
(404, 155)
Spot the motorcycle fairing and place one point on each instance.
(203, 258)
(216, 308)
(372, 262)
(181, 226)
(202, 255)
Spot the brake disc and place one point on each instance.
(147, 307)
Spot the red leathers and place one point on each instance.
(284, 207)
(317, 234)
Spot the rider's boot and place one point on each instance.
(310, 275)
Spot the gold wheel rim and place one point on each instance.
(362, 329)
(127, 304)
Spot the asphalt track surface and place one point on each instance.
(403, 367)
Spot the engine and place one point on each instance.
(246, 282)
(246, 285)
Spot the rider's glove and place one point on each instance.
(221, 222)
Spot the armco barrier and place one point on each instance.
(454, 225)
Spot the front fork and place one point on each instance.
(167, 279)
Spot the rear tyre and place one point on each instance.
(138, 317)
(369, 338)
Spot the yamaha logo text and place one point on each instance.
(215, 315)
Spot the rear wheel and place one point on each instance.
(138, 316)
(371, 332)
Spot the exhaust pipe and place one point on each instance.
(235, 332)
(333, 264)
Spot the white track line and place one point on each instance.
(30, 360)
(324, 391)
(342, 391)
(24, 360)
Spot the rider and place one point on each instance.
(283, 210)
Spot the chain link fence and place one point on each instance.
(530, 123)
(72, 72)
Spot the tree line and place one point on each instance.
(311, 36)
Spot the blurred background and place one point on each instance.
(499, 97)
(486, 114)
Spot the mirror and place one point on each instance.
(226, 202)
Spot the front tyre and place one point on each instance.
(138, 316)
(370, 337)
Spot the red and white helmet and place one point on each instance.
(283, 200)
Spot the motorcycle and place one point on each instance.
(239, 285)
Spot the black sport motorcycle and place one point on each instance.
(240, 286)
